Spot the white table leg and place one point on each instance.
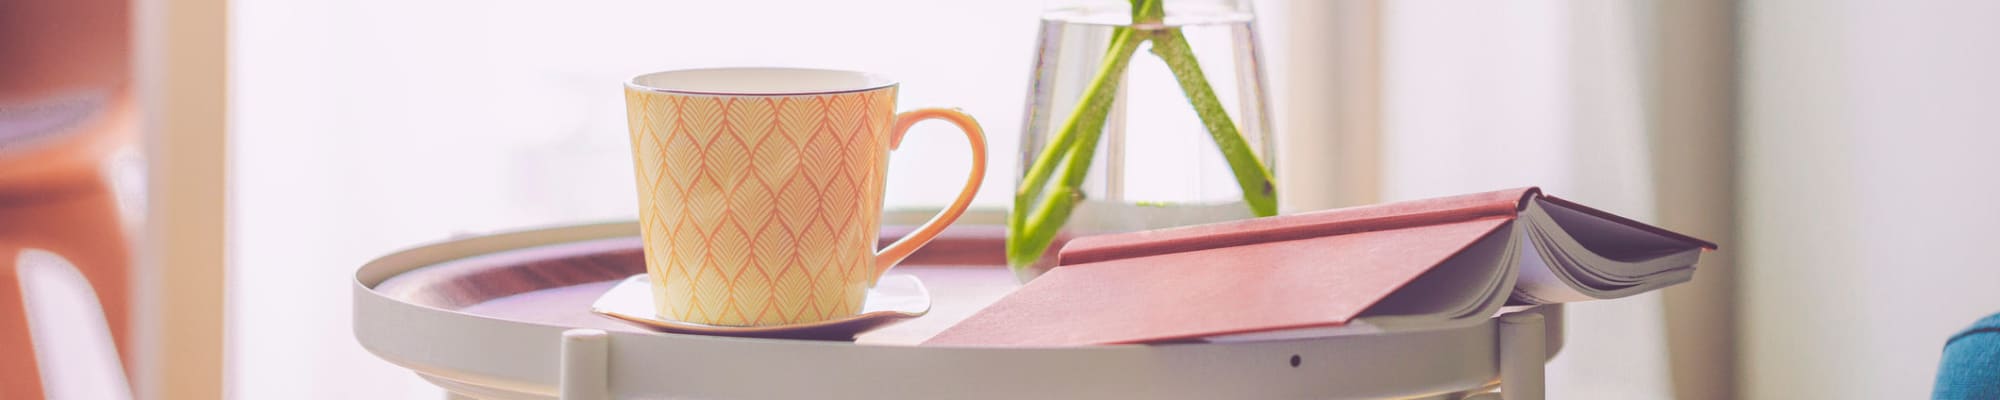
(1523, 353)
(585, 364)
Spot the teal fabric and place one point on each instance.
(1971, 365)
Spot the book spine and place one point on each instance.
(1503, 203)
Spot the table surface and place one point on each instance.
(555, 286)
(506, 316)
(956, 292)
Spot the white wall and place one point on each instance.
(1868, 192)
(1483, 96)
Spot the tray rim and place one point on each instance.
(456, 346)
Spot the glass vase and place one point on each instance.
(1157, 162)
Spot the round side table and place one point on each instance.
(506, 316)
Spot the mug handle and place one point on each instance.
(902, 248)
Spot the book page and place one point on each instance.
(1567, 264)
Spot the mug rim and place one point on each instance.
(870, 81)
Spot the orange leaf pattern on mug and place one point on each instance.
(766, 208)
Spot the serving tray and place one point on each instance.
(507, 316)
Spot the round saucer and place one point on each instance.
(894, 299)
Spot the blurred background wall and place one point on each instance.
(1869, 178)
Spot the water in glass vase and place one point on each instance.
(1156, 163)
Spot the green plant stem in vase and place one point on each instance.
(1050, 189)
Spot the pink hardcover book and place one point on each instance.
(1445, 260)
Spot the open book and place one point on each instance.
(1434, 262)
